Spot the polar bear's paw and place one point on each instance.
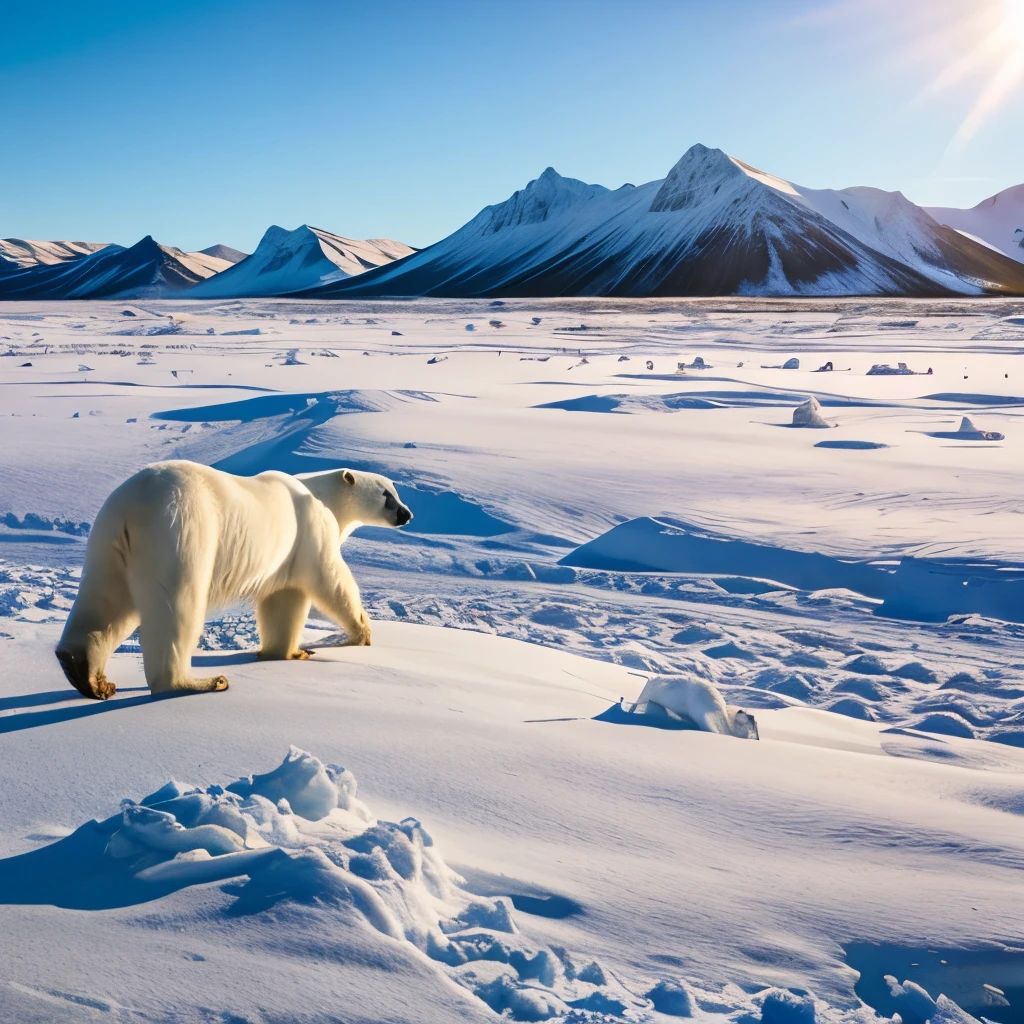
(212, 684)
(360, 638)
(299, 655)
(103, 688)
(76, 667)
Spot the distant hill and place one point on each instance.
(145, 270)
(224, 252)
(290, 261)
(23, 252)
(998, 221)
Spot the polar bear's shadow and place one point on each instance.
(227, 658)
(71, 708)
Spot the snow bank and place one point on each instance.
(925, 589)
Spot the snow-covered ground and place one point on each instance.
(523, 841)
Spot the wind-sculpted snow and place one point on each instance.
(713, 226)
(926, 589)
(303, 841)
(538, 718)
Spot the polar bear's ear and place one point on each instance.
(348, 477)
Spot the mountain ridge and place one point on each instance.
(713, 226)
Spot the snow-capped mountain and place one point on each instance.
(18, 253)
(713, 226)
(146, 270)
(224, 252)
(998, 221)
(290, 261)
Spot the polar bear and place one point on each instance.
(701, 703)
(180, 538)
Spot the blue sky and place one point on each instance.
(202, 122)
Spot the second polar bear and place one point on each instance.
(701, 703)
(179, 538)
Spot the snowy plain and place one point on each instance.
(583, 524)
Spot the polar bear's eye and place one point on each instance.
(390, 501)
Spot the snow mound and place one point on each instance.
(968, 432)
(299, 835)
(808, 414)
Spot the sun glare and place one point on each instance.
(991, 37)
(1013, 20)
(971, 51)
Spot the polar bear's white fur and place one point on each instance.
(701, 703)
(179, 538)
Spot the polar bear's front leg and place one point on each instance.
(280, 618)
(337, 595)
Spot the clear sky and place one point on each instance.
(203, 121)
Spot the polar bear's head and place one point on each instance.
(743, 723)
(358, 499)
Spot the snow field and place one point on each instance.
(622, 866)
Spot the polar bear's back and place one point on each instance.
(692, 698)
(241, 530)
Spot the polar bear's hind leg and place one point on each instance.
(280, 618)
(102, 616)
(173, 614)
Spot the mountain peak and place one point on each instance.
(544, 197)
(224, 252)
(697, 170)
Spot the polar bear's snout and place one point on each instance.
(393, 507)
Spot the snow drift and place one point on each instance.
(713, 226)
(808, 414)
(289, 261)
(299, 835)
(925, 589)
